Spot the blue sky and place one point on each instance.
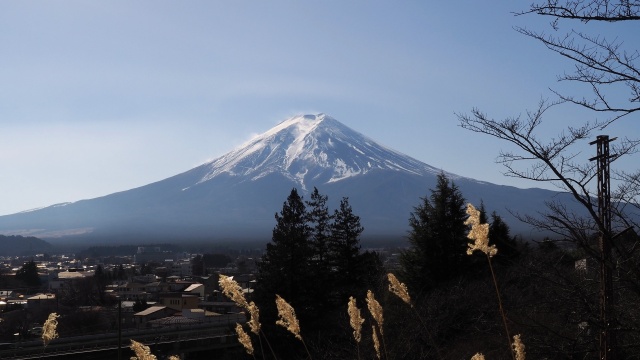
(100, 97)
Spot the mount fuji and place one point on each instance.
(235, 196)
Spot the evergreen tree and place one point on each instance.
(120, 273)
(499, 235)
(372, 271)
(314, 262)
(28, 274)
(140, 305)
(319, 221)
(197, 266)
(483, 213)
(285, 269)
(285, 265)
(344, 247)
(438, 238)
(101, 280)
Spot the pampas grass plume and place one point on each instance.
(355, 319)
(376, 310)
(376, 341)
(49, 329)
(518, 348)
(244, 339)
(399, 289)
(254, 323)
(479, 233)
(287, 316)
(232, 290)
(142, 352)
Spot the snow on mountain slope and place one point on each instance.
(235, 196)
(311, 149)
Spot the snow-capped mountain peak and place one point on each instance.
(234, 196)
(311, 150)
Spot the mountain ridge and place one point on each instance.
(236, 195)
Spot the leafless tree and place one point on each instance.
(603, 65)
(555, 161)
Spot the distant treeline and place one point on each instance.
(15, 245)
(122, 250)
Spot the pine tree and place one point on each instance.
(319, 221)
(344, 246)
(483, 213)
(28, 274)
(197, 265)
(101, 280)
(438, 238)
(499, 235)
(285, 265)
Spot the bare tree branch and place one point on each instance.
(587, 10)
(551, 161)
(601, 64)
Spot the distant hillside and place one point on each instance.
(233, 199)
(19, 245)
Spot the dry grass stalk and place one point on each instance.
(399, 289)
(142, 351)
(518, 348)
(174, 357)
(244, 339)
(288, 317)
(355, 319)
(254, 323)
(479, 233)
(477, 356)
(289, 320)
(376, 310)
(233, 291)
(49, 329)
(376, 341)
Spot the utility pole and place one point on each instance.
(607, 336)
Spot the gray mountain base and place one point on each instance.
(234, 198)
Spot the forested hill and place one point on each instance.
(20, 245)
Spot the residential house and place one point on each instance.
(179, 300)
(67, 279)
(44, 302)
(132, 291)
(195, 289)
(142, 318)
